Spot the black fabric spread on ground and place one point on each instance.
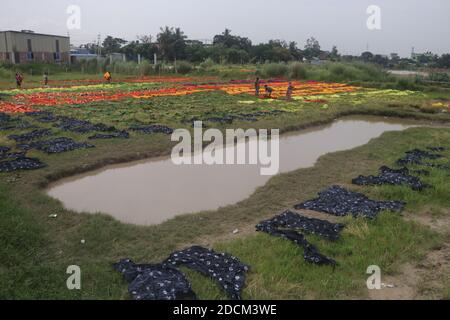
(57, 145)
(227, 270)
(251, 117)
(392, 177)
(14, 155)
(222, 120)
(155, 282)
(9, 123)
(417, 157)
(43, 116)
(112, 135)
(436, 149)
(286, 225)
(421, 172)
(16, 125)
(82, 126)
(153, 129)
(292, 220)
(36, 134)
(4, 117)
(4, 150)
(340, 202)
(21, 163)
(311, 254)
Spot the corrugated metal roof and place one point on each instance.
(34, 33)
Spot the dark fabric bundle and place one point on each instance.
(4, 150)
(341, 202)
(392, 177)
(21, 163)
(153, 129)
(311, 254)
(155, 282)
(42, 116)
(82, 126)
(9, 123)
(292, 220)
(36, 134)
(112, 135)
(57, 145)
(227, 270)
(416, 157)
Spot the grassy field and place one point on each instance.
(37, 249)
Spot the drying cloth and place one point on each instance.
(36, 134)
(82, 126)
(113, 135)
(57, 145)
(227, 270)
(21, 163)
(4, 150)
(311, 254)
(155, 282)
(392, 177)
(417, 157)
(340, 202)
(43, 116)
(14, 155)
(292, 220)
(153, 129)
(9, 123)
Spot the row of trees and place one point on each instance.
(172, 44)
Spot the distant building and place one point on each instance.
(26, 46)
(422, 57)
(78, 54)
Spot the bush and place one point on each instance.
(184, 67)
(298, 71)
(405, 84)
(272, 70)
(4, 73)
(145, 68)
(207, 64)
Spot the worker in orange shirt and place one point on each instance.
(108, 76)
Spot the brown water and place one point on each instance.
(153, 191)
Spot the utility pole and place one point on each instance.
(99, 49)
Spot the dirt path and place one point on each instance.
(425, 279)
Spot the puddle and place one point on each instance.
(153, 191)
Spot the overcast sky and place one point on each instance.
(422, 24)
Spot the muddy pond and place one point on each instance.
(153, 191)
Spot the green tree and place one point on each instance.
(172, 43)
(227, 40)
(112, 45)
(312, 48)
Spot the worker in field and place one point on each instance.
(269, 91)
(108, 76)
(257, 87)
(46, 79)
(290, 91)
(19, 80)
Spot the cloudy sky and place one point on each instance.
(422, 24)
